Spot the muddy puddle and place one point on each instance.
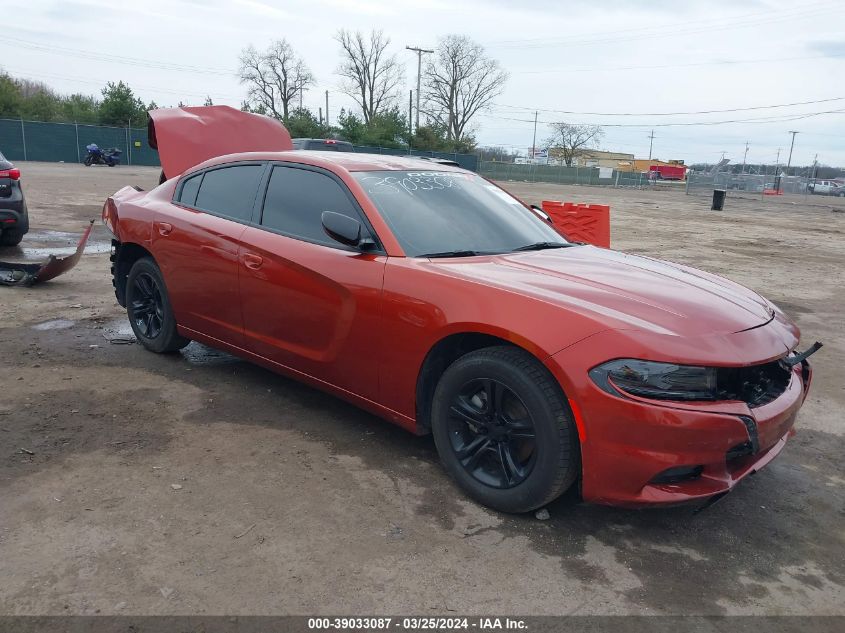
(119, 332)
(38, 245)
(54, 324)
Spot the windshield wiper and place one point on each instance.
(541, 246)
(464, 253)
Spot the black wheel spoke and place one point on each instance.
(506, 462)
(466, 412)
(520, 428)
(494, 394)
(471, 454)
(147, 305)
(492, 433)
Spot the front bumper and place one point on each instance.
(629, 444)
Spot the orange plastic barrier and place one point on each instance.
(580, 222)
(772, 192)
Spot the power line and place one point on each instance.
(107, 57)
(724, 62)
(651, 27)
(776, 119)
(672, 30)
(42, 76)
(746, 109)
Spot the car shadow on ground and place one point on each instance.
(755, 540)
(773, 533)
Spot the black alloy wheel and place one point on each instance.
(504, 430)
(147, 305)
(149, 310)
(492, 433)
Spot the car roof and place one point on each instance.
(349, 161)
(322, 140)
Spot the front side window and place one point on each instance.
(230, 191)
(433, 212)
(296, 199)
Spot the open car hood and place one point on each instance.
(185, 137)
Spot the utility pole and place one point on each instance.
(300, 98)
(410, 124)
(744, 156)
(650, 143)
(419, 52)
(327, 108)
(321, 115)
(534, 140)
(791, 145)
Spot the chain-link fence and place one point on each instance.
(467, 161)
(699, 183)
(65, 142)
(563, 175)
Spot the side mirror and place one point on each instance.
(344, 229)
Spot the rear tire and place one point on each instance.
(517, 454)
(149, 309)
(11, 237)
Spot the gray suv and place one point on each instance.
(14, 220)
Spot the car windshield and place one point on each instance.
(454, 213)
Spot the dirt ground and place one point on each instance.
(200, 484)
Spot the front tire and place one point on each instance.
(504, 430)
(149, 310)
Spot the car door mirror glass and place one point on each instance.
(342, 228)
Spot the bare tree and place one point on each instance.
(569, 138)
(371, 75)
(460, 82)
(274, 78)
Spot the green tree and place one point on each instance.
(10, 97)
(302, 123)
(80, 108)
(120, 105)
(385, 129)
(41, 106)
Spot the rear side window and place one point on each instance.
(296, 199)
(230, 191)
(188, 193)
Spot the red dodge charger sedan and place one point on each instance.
(436, 300)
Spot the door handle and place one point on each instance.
(164, 228)
(253, 262)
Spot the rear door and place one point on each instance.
(196, 243)
(310, 303)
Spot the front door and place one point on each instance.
(310, 303)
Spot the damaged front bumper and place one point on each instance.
(28, 274)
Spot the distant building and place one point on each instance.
(592, 157)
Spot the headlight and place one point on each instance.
(663, 381)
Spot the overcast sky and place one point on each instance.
(609, 57)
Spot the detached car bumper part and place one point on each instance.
(28, 274)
